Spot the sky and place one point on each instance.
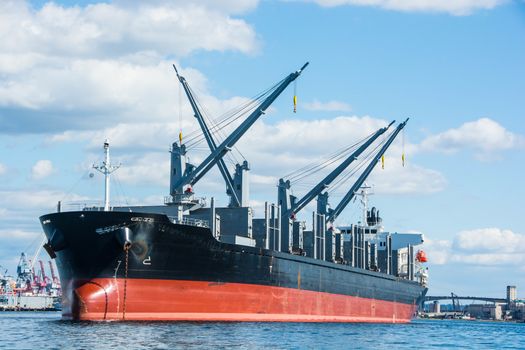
(73, 73)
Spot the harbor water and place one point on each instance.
(45, 330)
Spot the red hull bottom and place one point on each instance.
(167, 300)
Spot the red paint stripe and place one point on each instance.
(202, 301)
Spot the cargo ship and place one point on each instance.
(190, 260)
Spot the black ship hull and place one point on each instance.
(181, 272)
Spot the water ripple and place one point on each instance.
(33, 330)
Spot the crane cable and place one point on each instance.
(403, 147)
(180, 114)
(295, 96)
(198, 137)
(317, 169)
(293, 176)
(219, 134)
(369, 156)
(363, 161)
(231, 115)
(313, 168)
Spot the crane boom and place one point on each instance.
(195, 175)
(209, 139)
(42, 271)
(37, 253)
(324, 183)
(53, 275)
(351, 193)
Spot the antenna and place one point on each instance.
(106, 168)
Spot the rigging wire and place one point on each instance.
(337, 154)
(231, 116)
(199, 137)
(117, 196)
(33, 246)
(313, 168)
(403, 147)
(198, 134)
(119, 185)
(364, 161)
(68, 192)
(218, 136)
(180, 113)
(295, 96)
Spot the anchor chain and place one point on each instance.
(126, 249)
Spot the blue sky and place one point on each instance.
(74, 73)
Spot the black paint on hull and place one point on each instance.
(89, 245)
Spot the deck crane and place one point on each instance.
(183, 175)
(238, 197)
(290, 206)
(334, 213)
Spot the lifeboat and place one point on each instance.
(421, 256)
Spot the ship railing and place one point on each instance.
(186, 199)
(87, 205)
(190, 221)
(180, 198)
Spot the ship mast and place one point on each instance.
(106, 168)
(364, 201)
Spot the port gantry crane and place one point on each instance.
(54, 276)
(290, 206)
(185, 174)
(236, 186)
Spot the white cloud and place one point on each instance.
(273, 151)
(167, 27)
(411, 179)
(34, 199)
(276, 150)
(330, 106)
(152, 168)
(42, 168)
(90, 94)
(19, 226)
(263, 179)
(484, 136)
(297, 142)
(15, 240)
(161, 108)
(17, 234)
(3, 169)
(456, 7)
(490, 240)
(86, 67)
(438, 251)
(486, 246)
